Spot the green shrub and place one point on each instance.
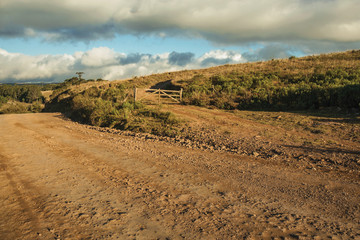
(36, 107)
(15, 108)
(337, 87)
(103, 108)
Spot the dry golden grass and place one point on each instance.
(292, 66)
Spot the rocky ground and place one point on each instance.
(228, 175)
(293, 139)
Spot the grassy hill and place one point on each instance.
(302, 111)
(307, 83)
(313, 82)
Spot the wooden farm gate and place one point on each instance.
(158, 95)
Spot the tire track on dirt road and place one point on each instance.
(139, 189)
(76, 171)
(103, 186)
(64, 212)
(30, 203)
(14, 187)
(286, 191)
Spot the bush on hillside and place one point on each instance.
(19, 107)
(256, 90)
(110, 108)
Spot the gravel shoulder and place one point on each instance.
(63, 180)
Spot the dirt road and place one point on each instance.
(62, 180)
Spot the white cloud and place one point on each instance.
(98, 57)
(103, 63)
(15, 66)
(220, 57)
(231, 21)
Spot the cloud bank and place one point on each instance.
(280, 27)
(219, 21)
(103, 63)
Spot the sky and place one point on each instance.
(49, 41)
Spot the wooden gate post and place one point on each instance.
(135, 93)
(159, 96)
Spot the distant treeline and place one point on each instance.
(257, 90)
(74, 81)
(22, 93)
(29, 93)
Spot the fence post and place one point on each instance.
(135, 93)
(159, 96)
(181, 92)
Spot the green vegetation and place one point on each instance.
(331, 80)
(21, 93)
(110, 107)
(21, 98)
(20, 107)
(315, 82)
(74, 81)
(256, 90)
(25, 98)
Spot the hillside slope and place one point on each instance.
(321, 136)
